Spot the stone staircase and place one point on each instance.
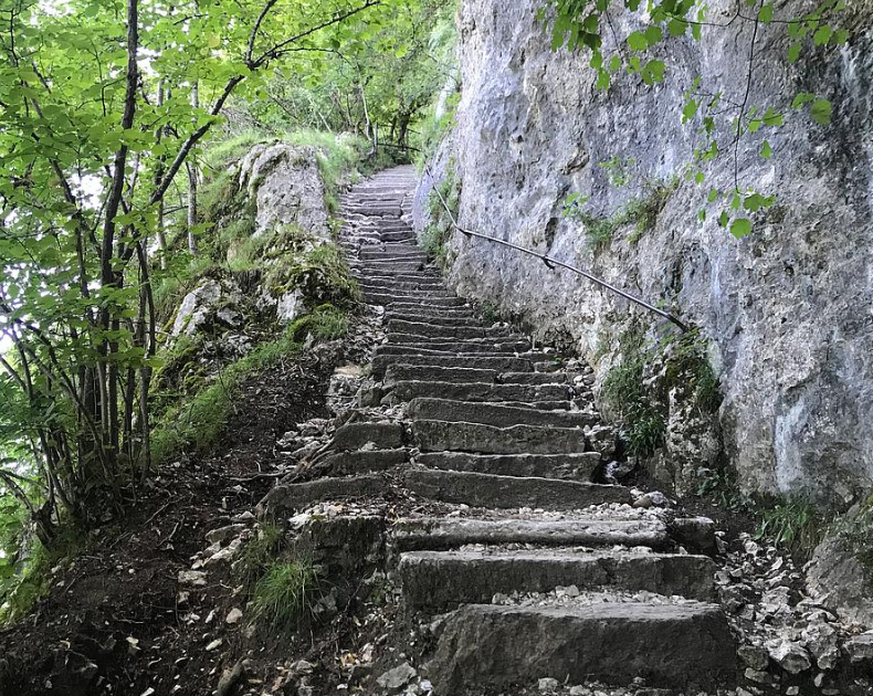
(534, 570)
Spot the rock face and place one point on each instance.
(287, 184)
(785, 312)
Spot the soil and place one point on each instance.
(112, 622)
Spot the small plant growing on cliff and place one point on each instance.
(435, 238)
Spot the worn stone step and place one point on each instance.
(425, 296)
(393, 268)
(435, 320)
(397, 236)
(439, 436)
(395, 299)
(380, 255)
(356, 462)
(494, 414)
(382, 362)
(440, 580)
(354, 436)
(492, 491)
(404, 372)
(438, 533)
(406, 391)
(483, 348)
(286, 499)
(533, 378)
(668, 645)
(559, 466)
(390, 285)
(404, 339)
(439, 331)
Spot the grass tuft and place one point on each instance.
(282, 596)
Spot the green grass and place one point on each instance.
(259, 553)
(199, 422)
(640, 408)
(282, 596)
(793, 525)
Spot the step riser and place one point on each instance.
(442, 349)
(496, 647)
(383, 362)
(580, 467)
(408, 373)
(393, 300)
(449, 533)
(502, 492)
(441, 581)
(489, 414)
(439, 436)
(406, 391)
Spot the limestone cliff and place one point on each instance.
(785, 312)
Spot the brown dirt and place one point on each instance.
(111, 623)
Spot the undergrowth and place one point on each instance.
(280, 586)
(438, 232)
(197, 423)
(639, 402)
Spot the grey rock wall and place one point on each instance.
(787, 312)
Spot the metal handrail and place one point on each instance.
(552, 263)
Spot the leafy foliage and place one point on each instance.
(721, 120)
(102, 104)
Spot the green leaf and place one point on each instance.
(653, 35)
(741, 227)
(765, 14)
(690, 110)
(654, 71)
(794, 52)
(822, 35)
(821, 112)
(766, 150)
(637, 42)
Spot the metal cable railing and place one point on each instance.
(552, 263)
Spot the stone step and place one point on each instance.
(392, 268)
(475, 362)
(439, 331)
(440, 580)
(494, 414)
(558, 466)
(668, 645)
(439, 533)
(441, 436)
(406, 339)
(354, 436)
(501, 492)
(533, 378)
(409, 294)
(286, 499)
(502, 349)
(406, 391)
(391, 285)
(435, 320)
(356, 462)
(404, 372)
(397, 236)
(394, 299)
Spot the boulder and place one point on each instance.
(285, 181)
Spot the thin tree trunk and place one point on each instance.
(193, 183)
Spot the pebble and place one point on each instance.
(547, 685)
